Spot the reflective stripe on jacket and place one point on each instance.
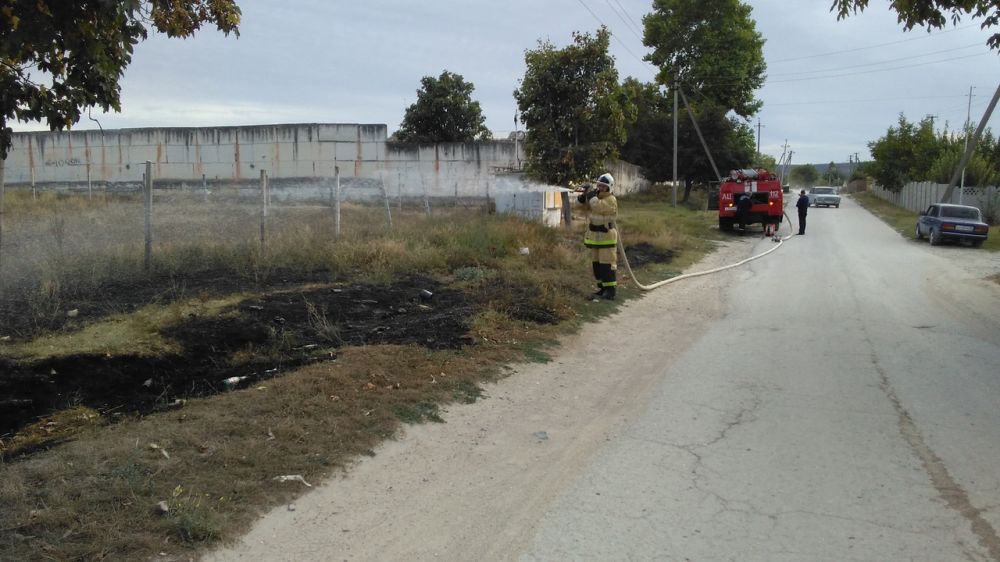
(601, 231)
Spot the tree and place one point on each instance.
(805, 175)
(574, 108)
(983, 168)
(650, 138)
(932, 14)
(832, 175)
(766, 161)
(712, 48)
(906, 153)
(58, 57)
(649, 141)
(444, 112)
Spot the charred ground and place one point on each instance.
(261, 337)
(297, 319)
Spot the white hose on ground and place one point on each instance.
(628, 267)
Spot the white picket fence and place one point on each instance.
(917, 196)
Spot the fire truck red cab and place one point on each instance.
(764, 190)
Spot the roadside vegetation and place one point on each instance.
(335, 365)
(904, 220)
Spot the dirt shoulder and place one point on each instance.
(476, 486)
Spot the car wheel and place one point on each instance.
(935, 237)
(977, 243)
(918, 235)
(725, 223)
(837, 205)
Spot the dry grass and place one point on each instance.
(213, 461)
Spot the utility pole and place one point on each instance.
(675, 140)
(972, 145)
(758, 141)
(784, 171)
(781, 163)
(932, 118)
(968, 116)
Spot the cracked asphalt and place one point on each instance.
(838, 400)
(844, 408)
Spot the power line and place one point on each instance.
(879, 62)
(621, 17)
(635, 25)
(615, 36)
(878, 69)
(874, 46)
(871, 100)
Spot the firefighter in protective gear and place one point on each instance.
(601, 235)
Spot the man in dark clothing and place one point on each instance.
(803, 206)
(743, 212)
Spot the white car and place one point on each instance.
(825, 196)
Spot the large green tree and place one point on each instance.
(574, 108)
(650, 138)
(444, 112)
(932, 14)
(906, 153)
(58, 57)
(712, 48)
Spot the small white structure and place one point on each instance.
(545, 206)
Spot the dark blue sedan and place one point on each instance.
(943, 222)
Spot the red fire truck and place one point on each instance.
(764, 190)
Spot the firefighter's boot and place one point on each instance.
(610, 283)
(597, 275)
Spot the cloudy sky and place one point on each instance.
(832, 86)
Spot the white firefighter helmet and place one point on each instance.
(608, 180)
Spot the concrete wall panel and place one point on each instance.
(293, 155)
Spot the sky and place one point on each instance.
(832, 86)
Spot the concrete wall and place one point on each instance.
(300, 160)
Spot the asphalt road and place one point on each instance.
(836, 400)
(847, 407)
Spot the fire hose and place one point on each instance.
(628, 267)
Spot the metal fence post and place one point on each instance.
(385, 196)
(147, 193)
(336, 201)
(263, 207)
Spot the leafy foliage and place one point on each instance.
(832, 175)
(650, 138)
(805, 175)
(933, 14)
(713, 48)
(982, 169)
(905, 153)
(80, 48)
(574, 108)
(444, 112)
(766, 161)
